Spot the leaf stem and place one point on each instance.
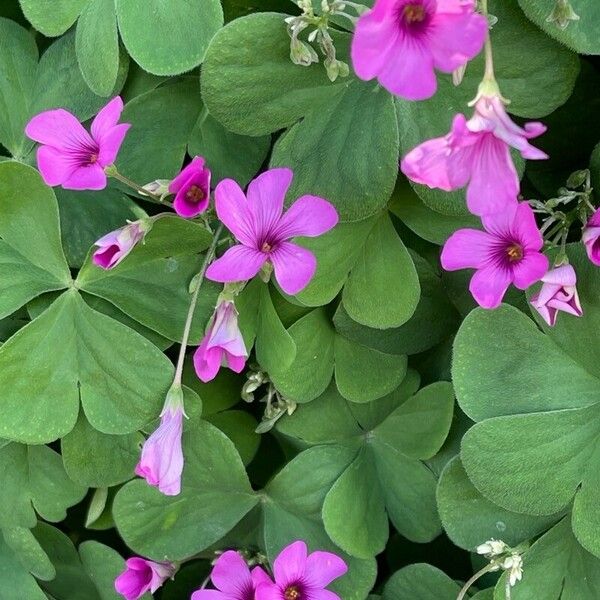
(480, 573)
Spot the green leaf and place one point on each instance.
(103, 565)
(97, 45)
(52, 17)
(240, 428)
(17, 583)
(183, 28)
(34, 477)
(215, 495)
(420, 582)
(29, 552)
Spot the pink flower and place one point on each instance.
(476, 152)
(161, 462)
(508, 251)
(116, 245)
(263, 232)
(232, 577)
(141, 576)
(192, 189)
(558, 293)
(299, 576)
(223, 344)
(591, 238)
(401, 42)
(69, 156)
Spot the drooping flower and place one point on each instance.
(192, 189)
(141, 576)
(476, 153)
(116, 245)
(513, 564)
(263, 231)
(69, 156)
(223, 344)
(302, 576)
(161, 461)
(591, 238)
(508, 251)
(401, 42)
(233, 579)
(558, 293)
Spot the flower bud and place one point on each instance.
(302, 54)
(557, 294)
(158, 187)
(562, 14)
(116, 245)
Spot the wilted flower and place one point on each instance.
(508, 251)
(116, 245)
(401, 42)
(591, 238)
(514, 565)
(141, 576)
(263, 231)
(192, 189)
(558, 293)
(69, 156)
(476, 152)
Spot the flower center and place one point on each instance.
(292, 593)
(195, 194)
(514, 252)
(414, 13)
(93, 158)
(266, 247)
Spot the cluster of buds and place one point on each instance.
(502, 556)
(302, 53)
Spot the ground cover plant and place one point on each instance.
(298, 299)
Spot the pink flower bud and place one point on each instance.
(591, 238)
(558, 293)
(141, 576)
(116, 245)
(192, 189)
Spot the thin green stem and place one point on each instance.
(480, 573)
(188, 322)
(112, 172)
(489, 58)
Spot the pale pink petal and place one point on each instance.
(549, 315)
(488, 286)
(90, 177)
(233, 210)
(546, 293)
(107, 118)
(294, 267)
(467, 249)
(57, 128)
(54, 166)
(563, 276)
(239, 263)
(530, 269)
(309, 216)
(324, 567)
(232, 575)
(290, 564)
(111, 144)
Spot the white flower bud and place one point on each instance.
(492, 548)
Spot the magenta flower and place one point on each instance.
(508, 251)
(69, 156)
(558, 293)
(161, 462)
(263, 231)
(223, 344)
(401, 42)
(192, 189)
(591, 238)
(116, 245)
(141, 576)
(233, 579)
(477, 153)
(302, 576)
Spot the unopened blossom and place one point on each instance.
(263, 230)
(141, 576)
(116, 245)
(508, 251)
(161, 461)
(513, 564)
(492, 548)
(476, 154)
(223, 344)
(302, 576)
(71, 157)
(591, 238)
(192, 189)
(402, 42)
(233, 579)
(558, 293)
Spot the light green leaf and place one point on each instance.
(420, 582)
(239, 427)
(52, 17)
(17, 583)
(29, 552)
(102, 565)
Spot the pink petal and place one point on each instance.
(323, 595)
(466, 249)
(526, 228)
(207, 362)
(209, 595)
(530, 269)
(488, 286)
(290, 564)
(266, 194)
(90, 177)
(231, 574)
(294, 267)
(324, 567)
(308, 216)
(55, 128)
(259, 575)
(54, 166)
(185, 207)
(235, 362)
(239, 263)
(196, 166)
(107, 257)
(268, 591)
(591, 240)
(563, 276)
(455, 6)
(233, 210)
(107, 118)
(549, 315)
(110, 144)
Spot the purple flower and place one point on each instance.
(401, 42)
(141, 576)
(299, 576)
(263, 232)
(222, 345)
(558, 293)
(116, 245)
(591, 238)
(477, 153)
(69, 156)
(192, 189)
(508, 251)
(161, 462)
(233, 579)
